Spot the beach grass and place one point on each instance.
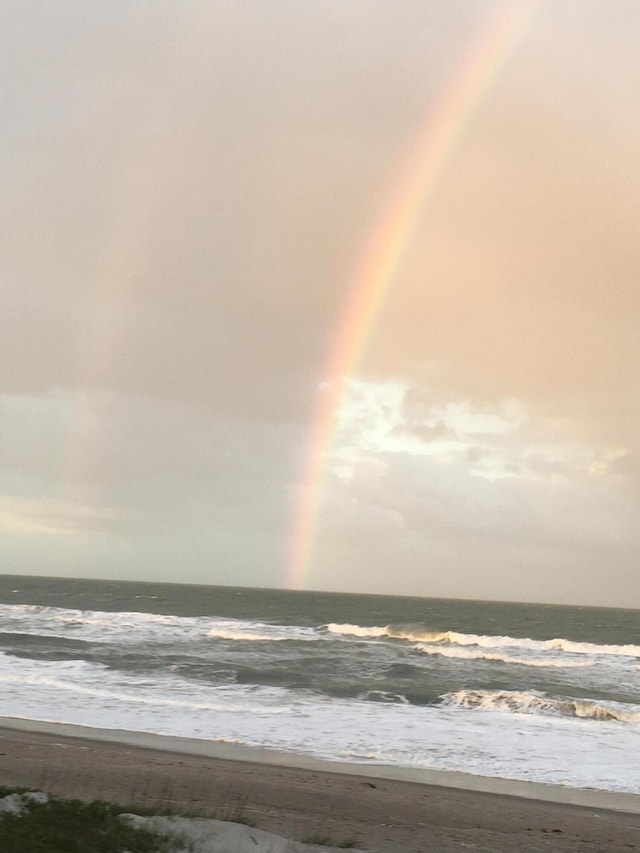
(309, 806)
(74, 826)
(42, 823)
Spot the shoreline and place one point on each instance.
(595, 798)
(367, 806)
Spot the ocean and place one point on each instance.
(519, 691)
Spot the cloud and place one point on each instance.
(34, 516)
(182, 188)
(186, 192)
(526, 491)
(136, 472)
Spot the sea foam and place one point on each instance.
(518, 702)
(416, 634)
(132, 628)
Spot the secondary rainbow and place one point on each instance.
(432, 155)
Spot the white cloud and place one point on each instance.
(497, 441)
(398, 494)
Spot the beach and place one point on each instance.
(510, 691)
(297, 797)
(388, 723)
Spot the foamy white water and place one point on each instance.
(135, 628)
(446, 737)
(443, 638)
(548, 709)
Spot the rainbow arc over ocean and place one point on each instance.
(432, 155)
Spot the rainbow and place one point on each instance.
(433, 153)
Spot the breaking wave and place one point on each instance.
(259, 632)
(515, 702)
(360, 631)
(239, 634)
(478, 654)
(132, 627)
(383, 696)
(418, 634)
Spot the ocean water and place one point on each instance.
(543, 693)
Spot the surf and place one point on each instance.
(417, 634)
(522, 702)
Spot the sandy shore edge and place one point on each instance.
(583, 797)
(376, 808)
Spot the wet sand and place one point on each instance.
(381, 809)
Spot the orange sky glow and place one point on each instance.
(194, 196)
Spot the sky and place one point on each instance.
(189, 191)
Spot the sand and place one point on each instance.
(378, 808)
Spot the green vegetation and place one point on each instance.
(50, 824)
(74, 827)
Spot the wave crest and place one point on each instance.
(383, 696)
(239, 634)
(515, 702)
(478, 654)
(133, 627)
(418, 634)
